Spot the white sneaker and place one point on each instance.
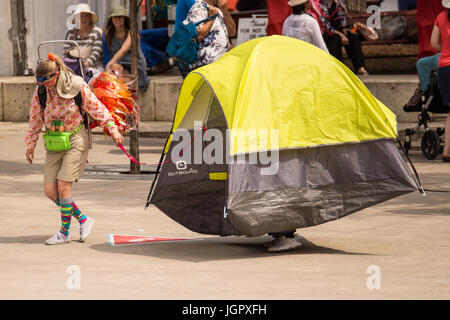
(85, 228)
(58, 238)
(272, 242)
(285, 244)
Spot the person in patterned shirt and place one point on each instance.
(62, 168)
(212, 35)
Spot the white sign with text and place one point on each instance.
(251, 28)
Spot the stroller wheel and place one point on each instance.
(431, 144)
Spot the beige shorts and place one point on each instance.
(68, 165)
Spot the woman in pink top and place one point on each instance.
(64, 167)
(440, 40)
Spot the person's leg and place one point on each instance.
(443, 76)
(446, 151)
(77, 214)
(66, 210)
(51, 191)
(284, 241)
(354, 52)
(334, 45)
(65, 205)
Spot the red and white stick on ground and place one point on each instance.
(118, 239)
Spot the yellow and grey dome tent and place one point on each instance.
(332, 140)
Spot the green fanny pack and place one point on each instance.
(58, 141)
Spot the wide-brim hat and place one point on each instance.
(68, 85)
(446, 4)
(294, 3)
(84, 7)
(118, 11)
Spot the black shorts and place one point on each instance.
(444, 84)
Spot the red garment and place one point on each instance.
(278, 11)
(319, 10)
(231, 5)
(444, 26)
(427, 11)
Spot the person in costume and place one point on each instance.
(63, 167)
(440, 40)
(118, 42)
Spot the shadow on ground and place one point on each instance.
(24, 239)
(212, 249)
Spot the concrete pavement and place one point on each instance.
(406, 241)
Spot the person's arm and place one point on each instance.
(436, 38)
(229, 22)
(203, 31)
(96, 50)
(35, 126)
(126, 46)
(344, 38)
(317, 35)
(69, 36)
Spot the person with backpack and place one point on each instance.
(212, 35)
(66, 137)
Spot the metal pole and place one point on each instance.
(17, 36)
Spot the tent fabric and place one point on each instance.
(336, 151)
(318, 102)
(194, 196)
(315, 185)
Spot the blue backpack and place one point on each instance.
(183, 44)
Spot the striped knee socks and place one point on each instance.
(77, 214)
(68, 209)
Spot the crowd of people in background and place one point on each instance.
(323, 23)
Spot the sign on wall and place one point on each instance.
(251, 28)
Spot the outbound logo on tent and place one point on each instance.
(181, 165)
(211, 147)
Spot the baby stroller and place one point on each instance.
(425, 103)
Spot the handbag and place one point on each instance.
(58, 141)
(84, 53)
(368, 32)
(183, 44)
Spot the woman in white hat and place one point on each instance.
(87, 35)
(118, 41)
(67, 152)
(303, 26)
(440, 40)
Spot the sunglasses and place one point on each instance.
(43, 79)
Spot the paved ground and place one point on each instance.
(407, 239)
